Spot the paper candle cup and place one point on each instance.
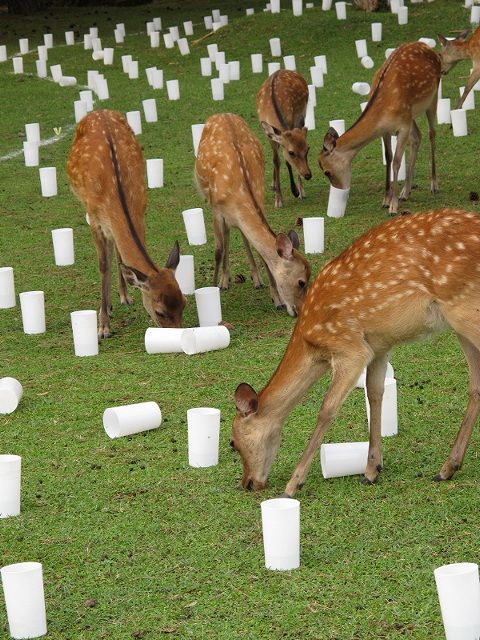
(281, 533)
(443, 111)
(272, 67)
(326, 5)
(80, 109)
(217, 88)
(84, 328)
(216, 15)
(337, 202)
(275, 47)
(41, 66)
(157, 79)
(203, 339)
(24, 599)
(3, 52)
(224, 73)
(97, 44)
(125, 62)
(23, 44)
(209, 308)
(341, 10)
(150, 27)
(67, 81)
(56, 71)
(11, 392)
(183, 47)
(289, 63)
(313, 234)
(101, 88)
(10, 481)
(376, 31)
(249, 12)
(135, 121)
(338, 125)
(150, 110)
(133, 70)
(197, 130)
(206, 66)
(131, 418)
(208, 22)
(119, 37)
(168, 41)
(297, 7)
(154, 39)
(275, 6)
(343, 459)
(389, 419)
(173, 89)
(310, 117)
(163, 340)
(458, 590)
(63, 246)
(312, 95)
(32, 304)
(17, 65)
(108, 55)
(30, 153)
(48, 40)
(195, 226)
(175, 33)
(219, 59)
(48, 181)
(203, 436)
(97, 54)
(321, 62)
(69, 38)
(87, 42)
(185, 275)
(395, 5)
(367, 62)
(7, 288)
(430, 42)
(402, 15)
(389, 51)
(475, 14)
(87, 97)
(188, 28)
(212, 51)
(92, 75)
(234, 67)
(362, 88)
(257, 62)
(155, 173)
(361, 47)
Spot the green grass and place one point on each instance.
(174, 551)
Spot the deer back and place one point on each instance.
(282, 100)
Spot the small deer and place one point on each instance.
(405, 279)
(106, 172)
(460, 48)
(281, 107)
(229, 172)
(405, 87)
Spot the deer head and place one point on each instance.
(294, 145)
(452, 51)
(162, 298)
(291, 272)
(336, 166)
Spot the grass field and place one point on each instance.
(160, 549)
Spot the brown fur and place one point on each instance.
(452, 51)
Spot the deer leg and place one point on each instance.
(457, 454)
(293, 186)
(273, 288)
(345, 375)
(104, 248)
(276, 176)
(375, 385)
(431, 113)
(122, 283)
(397, 160)
(225, 281)
(218, 234)
(300, 188)
(415, 140)
(257, 281)
(472, 80)
(387, 143)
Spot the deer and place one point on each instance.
(106, 172)
(405, 279)
(229, 172)
(452, 51)
(281, 108)
(404, 87)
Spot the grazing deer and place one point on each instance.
(281, 107)
(453, 51)
(403, 280)
(106, 172)
(403, 88)
(229, 172)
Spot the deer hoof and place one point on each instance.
(281, 307)
(285, 495)
(104, 333)
(438, 478)
(367, 482)
(126, 300)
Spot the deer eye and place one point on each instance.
(291, 154)
(301, 284)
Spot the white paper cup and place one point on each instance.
(234, 68)
(87, 42)
(208, 22)
(458, 590)
(63, 246)
(389, 420)
(212, 51)
(338, 125)
(313, 234)
(131, 418)
(23, 45)
(24, 599)
(32, 304)
(402, 172)
(154, 39)
(203, 339)
(443, 111)
(257, 62)
(133, 69)
(126, 59)
(80, 109)
(402, 15)
(297, 7)
(17, 65)
(281, 533)
(150, 27)
(67, 81)
(157, 23)
(150, 110)
(321, 61)
(56, 72)
(97, 45)
(275, 6)
(341, 10)
(216, 15)
(69, 38)
(155, 173)
(85, 337)
(48, 40)
(195, 226)
(163, 340)
(430, 42)
(343, 459)
(197, 130)
(389, 51)
(92, 75)
(3, 53)
(312, 95)
(173, 89)
(376, 31)
(119, 37)
(337, 202)
(203, 436)
(10, 483)
(209, 308)
(361, 47)
(326, 5)
(272, 67)
(101, 88)
(30, 153)
(11, 392)
(48, 181)
(475, 14)
(310, 117)
(183, 47)
(188, 28)
(108, 55)
(87, 97)
(217, 88)
(185, 275)
(224, 73)
(367, 62)
(249, 12)
(206, 67)
(168, 41)
(41, 66)
(175, 33)
(289, 63)
(275, 47)
(157, 79)
(135, 121)
(7, 288)
(362, 88)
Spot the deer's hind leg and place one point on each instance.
(431, 114)
(375, 387)
(415, 139)
(387, 144)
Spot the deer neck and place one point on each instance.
(361, 133)
(257, 231)
(129, 240)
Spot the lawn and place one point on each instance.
(135, 543)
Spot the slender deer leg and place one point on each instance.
(472, 80)
(122, 283)
(257, 281)
(273, 288)
(397, 160)
(104, 248)
(276, 175)
(431, 114)
(293, 186)
(300, 188)
(225, 281)
(219, 245)
(457, 454)
(345, 375)
(415, 140)
(375, 385)
(387, 142)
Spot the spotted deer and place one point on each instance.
(452, 51)
(405, 87)
(106, 172)
(229, 172)
(405, 279)
(281, 107)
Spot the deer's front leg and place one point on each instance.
(104, 248)
(397, 160)
(387, 143)
(293, 186)
(375, 387)
(122, 283)
(276, 176)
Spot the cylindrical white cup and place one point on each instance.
(361, 47)
(224, 72)
(389, 51)
(80, 109)
(87, 41)
(217, 88)
(32, 304)
(257, 62)
(87, 97)
(173, 89)
(163, 340)
(475, 14)
(338, 125)
(133, 69)
(343, 459)
(175, 33)
(150, 27)
(157, 79)
(84, 327)
(131, 418)
(209, 308)
(337, 202)
(310, 117)
(7, 288)
(312, 95)
(41, 66)
(275, 47)
(389, 420)
(48, 181)
(367, 62)
(134, 119)
(63, 246)
(326, 5)
(69, 37)
(362, 88)
(157, 23)
(11, 392)
(275, 6)
(10, 483)
(362, 378)
(101, 88)
(430, 42)
(195, 226)
(203, 436)
(297, 7)
(185, 275)
(182, 44)
(289, 63)
(31, 154)
(56, 71)
(24, 599)
(234, 69)
(313, 234)
(272, 67)
(341, 10)
(376, 31)
(203, 339)
(212, 51)
(67, 81)
(208, 22)
(42, 52)
(126, 59)
(108, 55)
(150, 110)
(23, 44)
(3, 53)
(402, 15)
(119, 37)
(168, 41)
(92, 75)
(97, 47)
(17, 65)
(458, 590)
(154, 39)
(249, 12)
(443, 111)
(197, 130)
(206, 66)
(48, 40)
(155, 173)
(281, 533)
(188, 28)
(216, 15)
(321, 61)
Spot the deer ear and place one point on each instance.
(284, 246)
(174, 257)
(463, 35)
(134, 277)
(272, 132)
(443, 40)
(246, 399)
(293, 235)
(330, 140)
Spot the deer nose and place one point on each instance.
(308, 176)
